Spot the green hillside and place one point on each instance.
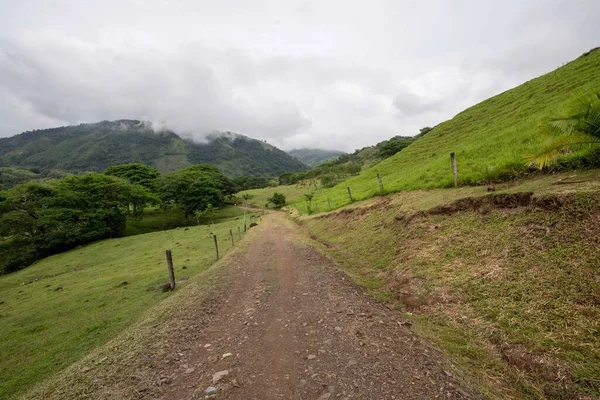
(93, 147)
(490, 139)
(314, 157)
(505, 284)
(57, 310)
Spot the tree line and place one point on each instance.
(38, 219)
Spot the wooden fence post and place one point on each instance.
(231, 235)
(350, 195)
(216, 246)
(328, 204)
(239, 233)
(170, 268)
(454, 168)
(380, 183)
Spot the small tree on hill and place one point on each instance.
(278, 200)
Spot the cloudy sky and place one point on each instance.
(337, 74)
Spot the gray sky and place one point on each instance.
(327, 73)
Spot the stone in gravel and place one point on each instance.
(226, 355)
(324, 396)
(210, 389)
(190, 370)
(207, 345)
(351, 363)
(338, 329)
(311, 356)
(219, 375)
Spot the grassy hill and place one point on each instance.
(314, 157)
(505, 284)
(490, 139)
(93, 147)
(57, 310)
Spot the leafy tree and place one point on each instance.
(289, 178)
(278, 200)
(194, 188)
(578, 124)
(135, 173)
(329, 179)
(208, 213)
(392, 146)
(424, 131)
(40, 219)
(250, 182)
(352, 168)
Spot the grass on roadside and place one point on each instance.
(57, 310)
(511, 295)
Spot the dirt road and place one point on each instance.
(275, 320)
(292, 326)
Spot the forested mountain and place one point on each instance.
(93, 147)
(314, 157)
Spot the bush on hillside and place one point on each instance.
(278, 200)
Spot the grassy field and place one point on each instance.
(155, 220)
(490, 139)
(292, 194)
(510, 294)
(55, 311)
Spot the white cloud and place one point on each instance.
(333, 74)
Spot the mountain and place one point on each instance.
(314, 157)
(93, 147)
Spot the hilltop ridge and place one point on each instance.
(95, 146)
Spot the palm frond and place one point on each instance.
(578, 124)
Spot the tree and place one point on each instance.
(40, 219)
(194, 188)
(288, 178)
(208, 213)
(278, 200)
(392, 146)
(135, 173)
(328, 180)
(578, 124)
(250, 182)
(352, 168)
(424, 131)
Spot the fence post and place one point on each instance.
(216, 246)
(239, 233)
(316, 206)
(170, 268)
(350, 195)
(231, 234)
(328, 204)
(454, 168)
(380, 183)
